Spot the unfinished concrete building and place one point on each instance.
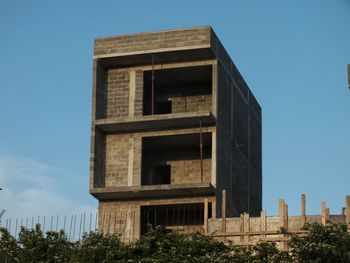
(173, 123)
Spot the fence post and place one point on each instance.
(282, 211)
(263, 222)
(286, 216)
(323, 219)
(206, 216)
(223, 213)
(347, 215)
(303, 209)
(241, 221)
(283, 218)
(246, 226)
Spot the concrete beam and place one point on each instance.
(153, 191)
(155, 122)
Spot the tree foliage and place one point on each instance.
(329, 243)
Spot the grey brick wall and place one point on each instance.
(150, 41)
(139, 93)
(189, 171)
(191, 103)
(117, 159)
(117, 99)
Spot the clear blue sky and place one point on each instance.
(293, 55)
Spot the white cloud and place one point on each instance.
(32, 189)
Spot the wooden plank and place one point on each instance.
(206, 216)
(223, 213)
(285, 244)
(281, 212)
(327, 215)
(347, 210)
(246, 226)
(276, 239)
(323, 220)
(286, 216)
(258, 233)
(263, 222)
(241, 233)
(303, 209)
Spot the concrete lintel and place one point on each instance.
(153, 191)
(155, 122)
(161, 56)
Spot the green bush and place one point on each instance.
(329, 243)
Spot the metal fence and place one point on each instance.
(73, 225)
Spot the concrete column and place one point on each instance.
(213, 159)
(132, 89)
(131, 162)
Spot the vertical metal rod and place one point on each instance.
(9, 225)
(96, 219)
(183, 218)
(27, 222)
(126, 218)
(166, 217)
(201, 148)
(44, 225)
(109, 222)
(152, 95)
(120, 222)
(115, 223)
(84, 224)
(16, 228)
(147, 219)
(64, 222)
(70, 227)
(90, 222)
(189, 216)
(155, 217)
(173, 219)
(57, 223)
(81, 219)
(178, 216)
(7, 220)
(32, 222)
(131, 226)
(143, 220)
(103, 223)
(75, 220)
(51, 223)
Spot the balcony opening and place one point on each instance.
(160, 174)
(176, 159)
(176, 218)
(178, 90)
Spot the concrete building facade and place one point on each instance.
(173, 122)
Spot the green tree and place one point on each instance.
(97, 247)
(330, 243)
(9, 248)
